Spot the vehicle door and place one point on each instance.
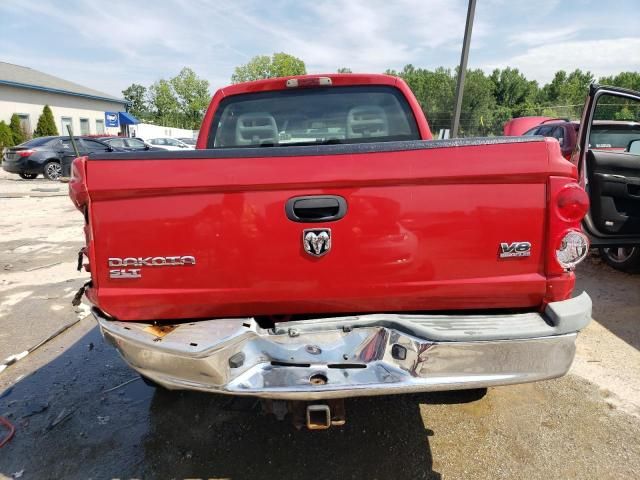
(117, 143)
(94, 146)
(176, 144)
(134, 144)
(66, 147)
(609, 164)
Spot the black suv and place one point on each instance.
(43, 155)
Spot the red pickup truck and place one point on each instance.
(319, 245)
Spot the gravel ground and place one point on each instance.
(585, 425)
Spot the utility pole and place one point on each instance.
(463, 68)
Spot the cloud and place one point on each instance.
(363, 35)
(109, 46)
(600, 57)
(543, 37)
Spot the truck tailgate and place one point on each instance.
(423, 229)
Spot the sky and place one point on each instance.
(109, 45)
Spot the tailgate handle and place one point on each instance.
(316, 208)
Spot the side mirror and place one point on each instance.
(634, 146)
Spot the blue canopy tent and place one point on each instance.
(126, 119)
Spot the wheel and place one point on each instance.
(625, 259)
(28, 176)
(52, 170)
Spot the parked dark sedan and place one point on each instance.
(44, 155)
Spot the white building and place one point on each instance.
(25, 91)
(147, 131)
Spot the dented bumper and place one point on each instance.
(353, 356)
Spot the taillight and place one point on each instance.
(573, 248)
(24, 153)
(572, 203)
(566, 244)
(78, 183)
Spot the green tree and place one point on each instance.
(136, 94)
(434, 91)
(178, 102)
(46, 124)
(19, 135)
(284, 65)
(490, 100)
(513, 91)
(257, 68)
(624, 113)
(630, 80)
(567, 90)
(622, 109)
(478, 104)
(164, 103)
(6, 136)
(263, 66)
(193, 96)
(344, 70)
(500, 116)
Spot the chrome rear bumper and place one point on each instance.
(353, 356)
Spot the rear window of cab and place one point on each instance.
(312, 116)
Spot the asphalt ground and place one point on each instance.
(70, 424)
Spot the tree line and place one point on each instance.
(177, 102)
(490, 99)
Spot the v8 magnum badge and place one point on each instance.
(316, 241)
(515, 249)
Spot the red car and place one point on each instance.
(518, 126)
(319, 245)
(605, 134)
(565, 131)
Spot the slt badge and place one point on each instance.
(316, 241)
(176, 261)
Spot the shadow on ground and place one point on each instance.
(616, 298)
(81, 430)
